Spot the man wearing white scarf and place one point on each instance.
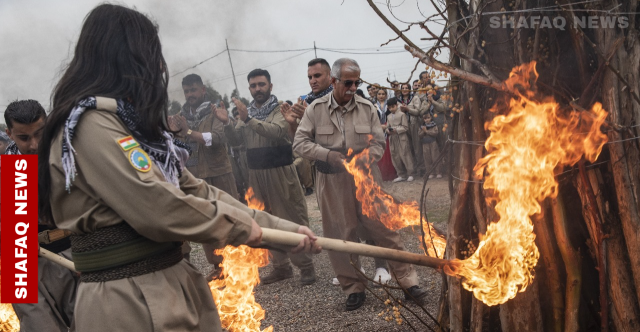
(272, 175)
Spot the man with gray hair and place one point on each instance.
(330, 126)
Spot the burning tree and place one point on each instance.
(544, 104)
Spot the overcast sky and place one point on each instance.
(37, 38)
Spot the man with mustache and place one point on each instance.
(274, 179)
(319, 75)
(330, 127)
(209, 161)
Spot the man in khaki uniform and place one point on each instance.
(25, 121)
(329, 127)
(204, 132)
(399, 142)
(319, 75)
(272, 175)
(424, 102)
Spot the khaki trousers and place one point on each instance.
(54, 310)
(430, 152)
(416, 145)
(281, 192)
(226, 183)
(401, 156)
(341, 216)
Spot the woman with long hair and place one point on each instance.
(405, 95)
(404, 101)
(112, 174)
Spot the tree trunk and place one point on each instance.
(588, 274)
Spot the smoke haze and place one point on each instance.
(37, 38)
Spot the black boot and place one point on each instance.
(277, 275)
(307, 275)
(355, 300)
(415, 294)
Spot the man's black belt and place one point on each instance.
(269, 157)
(118, 252)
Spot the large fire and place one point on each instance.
(233, 295)
(379, 205)
(525, 146)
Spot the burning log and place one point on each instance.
(277, 237)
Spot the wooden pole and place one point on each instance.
(57, 259)
(274, 236)
(232, 72)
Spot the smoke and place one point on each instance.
(37, 38)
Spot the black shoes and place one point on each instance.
(308, 191)
(307, 275)
(277, 275)
(355, 300)
(415, 294)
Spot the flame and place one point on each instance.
(233, 295)
(379, 205)
(524, 148)
(8, 318)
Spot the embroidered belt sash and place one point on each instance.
(118, 252)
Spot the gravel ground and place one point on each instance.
(320, 306)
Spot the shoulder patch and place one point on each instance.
(127, 143)
(140, 160)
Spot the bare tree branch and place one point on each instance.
(467, 76)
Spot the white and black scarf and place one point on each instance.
(12, 149)
(311, 96)
(263, 112)
(194, 118)
(168, 154)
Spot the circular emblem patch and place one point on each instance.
(140, 160)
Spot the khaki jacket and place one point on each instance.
(319, 131)
(420, 105)
(272, 132)
(108, 190)
(213, 160)
(399, 122)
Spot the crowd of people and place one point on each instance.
(117, 173)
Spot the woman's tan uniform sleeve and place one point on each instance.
(108, 189)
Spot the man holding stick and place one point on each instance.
(319, 75)
(330, 126)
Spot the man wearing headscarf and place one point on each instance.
(204, 133)
(272, 175)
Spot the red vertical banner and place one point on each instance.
(19, 227)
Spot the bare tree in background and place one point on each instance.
(588, 275)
